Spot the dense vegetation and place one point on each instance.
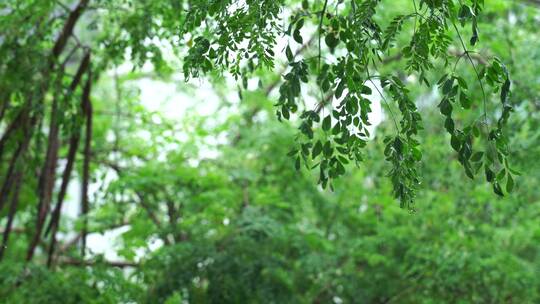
(225, 203)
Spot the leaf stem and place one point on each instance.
(320, 29)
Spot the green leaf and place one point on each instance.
(289, 54)
(327, 149)
(417, 154)
(447, 87)
(285, 112)
(476, 131)
(317, 149)
(292, 152)
(366, 90)
(297, 37)
(468, 170)
(474, 37)
(446, 107)
(462, 83)
(497, 189)
(464, 100)
(509, 184)
(339, 89)
(501, 175)
(465, 12)
(327, 123)
(331, 41)
(477, 156)
(299, 24)
(449, 125)
(442, 79)
(455, 142)
(504, 91)
(489, 174)
(340, 168)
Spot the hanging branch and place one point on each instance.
(67, 30)
(74, 141)
(48, 173)
(73, 147)
(12, 211)
(8, 181)
(4, 100)
(27, 125)
(118, 264)
(54, 223)
(86, 164)
(47, 178)
(11, 128)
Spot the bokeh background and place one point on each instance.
(195, 200)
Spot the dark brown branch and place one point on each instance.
(66, 176)
(86, 163)
(83, 68)
(8, 180)
(47, 179)
(74, 143)
(17, 122)
(67, 30)
(12, 211)
(27, 126)
(48, 173)
(73, 146)
(58, 48)
(119, 264)
(4, 105)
